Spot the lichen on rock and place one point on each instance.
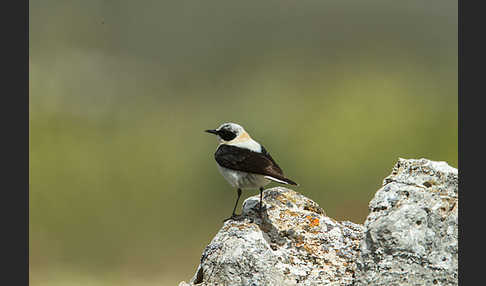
(409, 237)
(292, 243)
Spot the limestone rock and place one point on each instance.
(293, 243)
(411, 232)
(409, 237)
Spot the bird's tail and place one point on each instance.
(282, 180)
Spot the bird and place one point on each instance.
(245, 163)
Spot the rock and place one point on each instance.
(411, 232)
(409, 237)
(294, 243)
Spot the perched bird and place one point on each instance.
(244, 163)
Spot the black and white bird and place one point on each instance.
(245, 163)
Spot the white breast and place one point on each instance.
(243, 180)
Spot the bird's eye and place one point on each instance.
(226, 135)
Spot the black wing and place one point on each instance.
(245, 160)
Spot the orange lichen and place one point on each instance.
(313, 221)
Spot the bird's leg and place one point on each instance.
(233, 215)
(261, 200)
(234, 209)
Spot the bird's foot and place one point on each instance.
(261, 209)
(234, 217)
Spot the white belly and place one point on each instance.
(243, 180)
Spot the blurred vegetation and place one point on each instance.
(124, 189)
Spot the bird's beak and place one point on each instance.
(211, 131)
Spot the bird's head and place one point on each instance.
(230, 132)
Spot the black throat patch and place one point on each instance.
(226, 135)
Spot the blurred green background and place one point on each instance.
(124, 189)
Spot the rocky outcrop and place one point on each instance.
(292, 243)
(409, 237)
(411, 231)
